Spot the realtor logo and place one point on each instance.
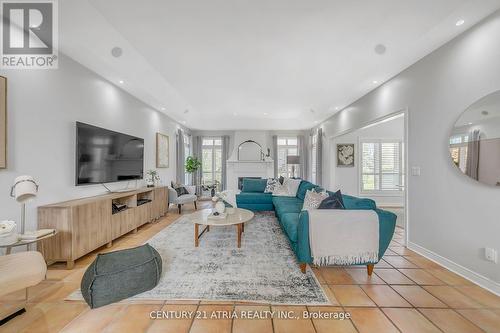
(29, 34)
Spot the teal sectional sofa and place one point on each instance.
(295, 222)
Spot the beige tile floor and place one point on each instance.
(406, 293)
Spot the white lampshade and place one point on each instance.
(24, 189)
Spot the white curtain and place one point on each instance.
(302, 150)
(225, 156)
(319, 156)
(275, 155)
(197, 143)
(473, 147)
(180, 169)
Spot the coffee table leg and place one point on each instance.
(239, 235)
(243, 227)
(196, 235)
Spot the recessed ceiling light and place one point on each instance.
(186, 111)
(337, 108)
(162, 108)
(469, 124)
(315, 121)
(485, 113)
(121, 81)
(235, 114)
(184, 122)
(116, 52)
(380, 49)
(459, 23)
(375, 81)
(265, 113)
(312, 111)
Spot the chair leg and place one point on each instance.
(179, 207)
(369, 268)
(195, 206)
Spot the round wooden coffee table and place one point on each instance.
(238, 218)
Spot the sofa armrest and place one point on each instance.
(387, 224)
(172, 195)
(303, 249)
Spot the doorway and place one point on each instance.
(379, 168)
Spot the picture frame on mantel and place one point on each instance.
(162, 151)
(3, 122)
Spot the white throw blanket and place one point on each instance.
(343, 237)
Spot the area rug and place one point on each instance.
(263, 270)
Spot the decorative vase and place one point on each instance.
(220, 207)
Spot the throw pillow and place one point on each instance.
(292, 186)
(179, 188)
(272, 183)
(313, 199)
(333, 201)
(280, 191)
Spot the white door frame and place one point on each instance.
(405, 112)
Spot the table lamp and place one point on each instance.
(293, 160)
(24, 189)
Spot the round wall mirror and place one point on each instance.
(250, 151)
(475, 141)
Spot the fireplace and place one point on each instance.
(240, 181)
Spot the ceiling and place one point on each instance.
(257, 64)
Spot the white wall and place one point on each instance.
(43, 106)
(347, 179)
(451, 217)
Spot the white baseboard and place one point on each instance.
(464, 272)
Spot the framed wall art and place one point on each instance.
(162, 151)
(345, 155)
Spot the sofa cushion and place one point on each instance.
(351, 202)
(303, 188)
(272, 185)
(254, 198)
(314, 199)
(334, 201)
(278, 200)
(254, 185)
(290, 223)
(292, 186)
(186, 198)
(118, 275)
(290, 207)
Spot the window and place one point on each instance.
(314, 151)
(187, 152)
(382, 166)
(211, 160)
(286, 146)
(458, 150)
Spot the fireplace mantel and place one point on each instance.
(236, 161)
(236, 169)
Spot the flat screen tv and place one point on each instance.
(104, 156)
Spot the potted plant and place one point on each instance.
(152, 177)
(192, 164)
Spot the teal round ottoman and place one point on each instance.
(118, 275)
